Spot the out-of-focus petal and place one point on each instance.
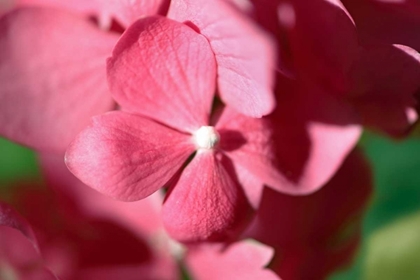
(10, 218)
(124, 11)
(326, 224)
(313, 133)
(141, 216)
(164, 70)
(52, 76)
(19, 251)
(126, 156)
(245, 56)
(392, 22)
(206, 202)
(386, 78)
(322, 38)
(243, 260)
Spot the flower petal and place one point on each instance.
(245, 260)
(325, 224)
(19, 250)
(313, 133)
(10, 218)
(386, 78)
(323, 41)
(52, 76)
(245, 56)
(248, 142)
(387, 21)
(124, 11)
(164, 70)
(126, 156)
(142, 216)
(206, 202)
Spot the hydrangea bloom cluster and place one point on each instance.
(219, 134)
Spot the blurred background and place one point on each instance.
(391, 230)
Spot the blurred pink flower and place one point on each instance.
(325, 50)
(317, 234)
(83, 235)
(20, 256)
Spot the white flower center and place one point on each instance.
(206, 137)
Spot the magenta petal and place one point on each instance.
(205, 203)
(166, 71)
(245, 56)
(386, 81)
(313, 132)
(142, 216)
(19, 250)
(323, 41)
(10, 218)
(126, 156)
(387, 21)
(244, 260)
(52, 76)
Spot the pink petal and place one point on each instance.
(206, 202)
(141, 216)
(10, 218)
(52, 76)
(124, 11)
(126, 156)
(387, 21)
(19, 251)
(164, 70)
(322, 39)
(245, 56)
(248, 142)
(243, 260)
(313, 133)
(252, 185)
(386, 80)
(316, 234)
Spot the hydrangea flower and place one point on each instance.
(162, 73)
(52, 62)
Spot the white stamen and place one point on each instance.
(206, 137)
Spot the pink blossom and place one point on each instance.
(162, 75)
(316, 234)
(53, 57)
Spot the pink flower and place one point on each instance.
(162, 73)
(84, 235)
(317, 234)
(53, 56)
(323, 50)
